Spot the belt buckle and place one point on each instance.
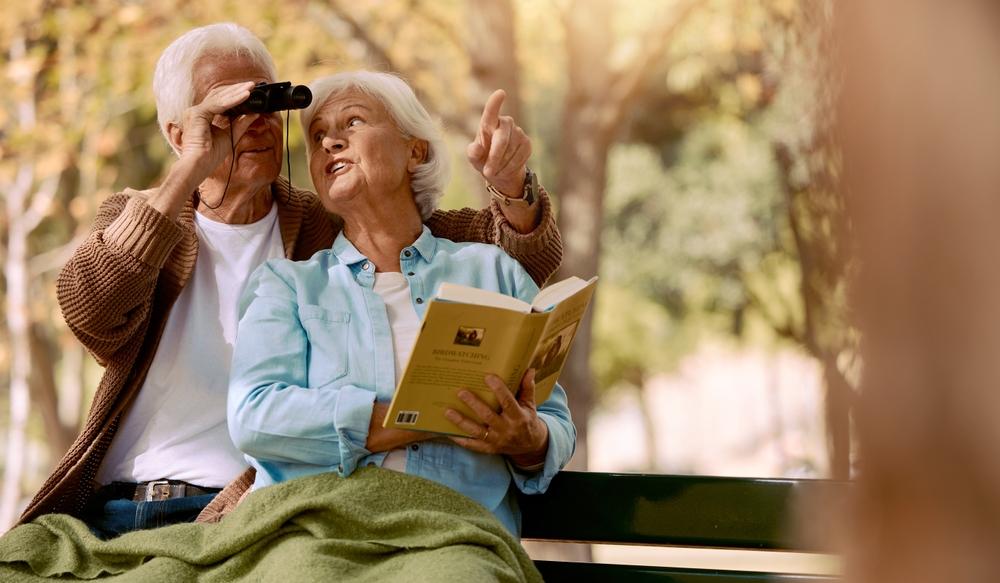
(151, 490)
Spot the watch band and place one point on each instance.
(529, 192)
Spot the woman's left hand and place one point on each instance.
(516, 431)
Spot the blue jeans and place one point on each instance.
(114, 517)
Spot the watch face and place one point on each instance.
(530, 188)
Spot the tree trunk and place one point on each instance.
(648, 427)
(19, 337)
(19, 226)
(777, 432)
(45, 395)
(492, 49)
(582, 159)
(839, 397)
(821, 268)
(491, 44)
(71, 381)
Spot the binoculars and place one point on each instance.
(271, 97)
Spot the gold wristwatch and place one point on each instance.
(529, 192)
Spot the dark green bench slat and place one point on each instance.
(557, 572)
(701, 511)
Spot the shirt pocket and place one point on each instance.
(328, 332)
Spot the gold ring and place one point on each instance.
(487, 434)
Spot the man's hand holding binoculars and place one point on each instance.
(210, 130)
(207, 134)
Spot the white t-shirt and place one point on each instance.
(405, 325)
(176, 429)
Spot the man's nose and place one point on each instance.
(333, 144)
(260, 124)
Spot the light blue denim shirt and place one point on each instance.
(314, 352)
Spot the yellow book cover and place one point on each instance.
(468, 333)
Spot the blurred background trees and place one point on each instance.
(686, 145)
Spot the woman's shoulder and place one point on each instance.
(483, 259)
(480, 251)
(292, 270)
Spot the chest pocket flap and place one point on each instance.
(328, 352)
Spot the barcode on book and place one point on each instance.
(407, 417)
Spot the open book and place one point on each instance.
(468, 333)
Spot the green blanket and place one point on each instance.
(377, 525)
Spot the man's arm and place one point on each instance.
(106, 289)
(539, 251)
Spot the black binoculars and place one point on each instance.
(271, 97)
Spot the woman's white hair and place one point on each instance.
(173, 83)
(430, 177)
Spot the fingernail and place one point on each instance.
(451, 414)
(464, 395)
(493, 380)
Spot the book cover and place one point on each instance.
(468, 333)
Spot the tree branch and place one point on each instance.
(54, 258)
(329, 18)
(625, 84)
(41, 202)
(446, 28)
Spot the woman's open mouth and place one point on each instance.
(337, 166)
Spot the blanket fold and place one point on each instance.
(377, 525)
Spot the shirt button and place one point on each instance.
(415, 447)
(340, 468)
(409, 274)
(407, 253)
(420, 300)
(365, 266)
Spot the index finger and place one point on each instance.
(491, 112)
(503, 394)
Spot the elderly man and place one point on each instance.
(152, 292)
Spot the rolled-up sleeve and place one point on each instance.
(554, 412)
(273, 413)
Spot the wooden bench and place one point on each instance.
(664, 510)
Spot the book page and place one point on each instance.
(557, 337)
(453, 292)
(557, 292)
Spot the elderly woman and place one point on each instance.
(321, 342)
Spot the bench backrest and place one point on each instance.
(696, 511)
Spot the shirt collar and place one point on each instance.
(345, 251)
(425, 244)
(348, 254)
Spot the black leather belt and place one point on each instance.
(152, 491)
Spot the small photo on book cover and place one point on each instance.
(469, 336)
(552, 352)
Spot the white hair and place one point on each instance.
(173, 83)
(411, 118)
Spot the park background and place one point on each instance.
(685, 144)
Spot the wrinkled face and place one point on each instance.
(258, 152)
(359, 156)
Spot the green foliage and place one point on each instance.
(634, 337)
(699, 216)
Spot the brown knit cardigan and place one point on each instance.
(117, 290)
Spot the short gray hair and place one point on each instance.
(430, 177)
(173, 83)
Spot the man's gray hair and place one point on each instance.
(173, 85)
(411, 118)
